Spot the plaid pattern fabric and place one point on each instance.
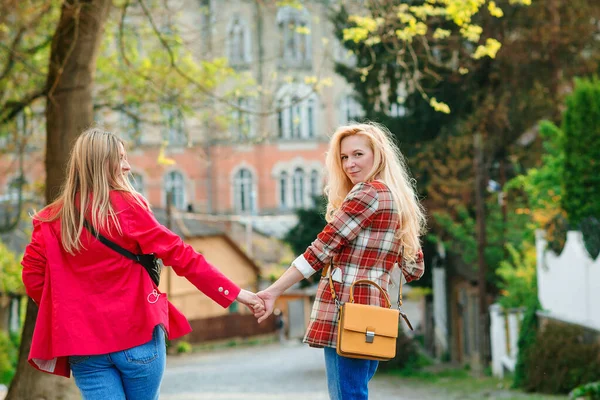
(360, 241)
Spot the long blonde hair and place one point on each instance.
(388, 166)
(93, 170)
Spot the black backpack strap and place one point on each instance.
(110, 244)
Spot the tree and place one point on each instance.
(69, 110)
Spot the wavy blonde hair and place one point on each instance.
(388, 166)
(93, 170)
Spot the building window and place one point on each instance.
(298, 188)
(243, 188)
(397, 108)
(241, 125)
(315, 187)
(137, 181)
(294, 29)
(297, 112)
(283, 190)
(350, 110)
(174, 132)
(175, 184)
(130, 124)
(238, 42)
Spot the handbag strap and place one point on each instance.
(338, 303)
(112, 245)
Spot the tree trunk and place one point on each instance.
(69, 110)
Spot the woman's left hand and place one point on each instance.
(253, 302)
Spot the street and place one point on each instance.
(292, 372)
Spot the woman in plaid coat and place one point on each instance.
(372, 212)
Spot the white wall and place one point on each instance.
(569, 283)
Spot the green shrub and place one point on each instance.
(183, 347)
(9, 355)
(590, 391)
(527, 339)
(562, 358)
(581, 127)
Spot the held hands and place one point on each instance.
(269, 301)
(253, 302)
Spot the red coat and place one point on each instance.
(97, 301)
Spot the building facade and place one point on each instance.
(268, 158)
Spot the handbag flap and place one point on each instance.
(362, 317)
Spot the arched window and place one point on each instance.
(238, 42)
(283, 190)
(137, 181)
(297, 112)
(243, 191)
(175, 184)
(298, 188)
(294, 29)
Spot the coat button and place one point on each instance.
(226, 292)
(221, 289)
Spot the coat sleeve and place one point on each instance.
(355, 214)
(153, 237)
(414, 270)
(34, 264)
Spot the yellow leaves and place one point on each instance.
(325, 82)
(471, 32)
(3, 28)
(494, 10)
(462, 11)
(463, 70)
(297, 4)
(162, 159)
(310, 80)
(490, 49)
(413, 29)
(356, 35)
(303, 30)
(325, 41)
(365, 26)
(288, 79)
(439, 106)
(522, 2)
(441, 33)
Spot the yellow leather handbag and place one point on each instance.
(365, 331)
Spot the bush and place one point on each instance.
(9, 356)
(590, 391)
(407, 354)
(562, 358)
(527, 339)
(183, 347)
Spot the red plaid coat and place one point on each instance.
(362, 244)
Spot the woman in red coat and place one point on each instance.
(100, 313)
(372, 213)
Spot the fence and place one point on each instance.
(228, 326)
(504, 335)
(569, 283)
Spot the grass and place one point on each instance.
(456, 383)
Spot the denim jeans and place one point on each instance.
(132, 374)
(348, 378)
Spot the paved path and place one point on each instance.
(273, 372)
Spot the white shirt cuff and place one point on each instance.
(303, 266)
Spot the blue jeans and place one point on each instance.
(348, 378)
(132, 374)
